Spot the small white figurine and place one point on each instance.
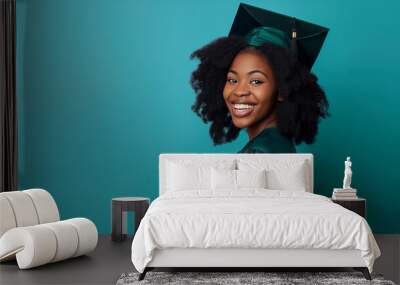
(347, 174)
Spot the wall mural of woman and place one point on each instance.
(259, 79)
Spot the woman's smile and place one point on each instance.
(241, 110)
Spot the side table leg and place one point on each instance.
(116, 222)
(124, 216)
(139, 214)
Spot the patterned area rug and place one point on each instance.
(229, 278)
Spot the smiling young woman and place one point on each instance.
(264, 89)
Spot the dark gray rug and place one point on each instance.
(229, 278)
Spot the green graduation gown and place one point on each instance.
(270, 140)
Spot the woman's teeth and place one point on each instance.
(243, 106)
(242, 110)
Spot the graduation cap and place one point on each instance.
(258, 26)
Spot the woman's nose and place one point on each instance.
(241, 90)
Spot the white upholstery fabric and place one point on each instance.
(26, 208)
(7, 218)
(66, 236)
(33, 245)
(23, 208)
(46, 207)
(87, 234)
(31, 232)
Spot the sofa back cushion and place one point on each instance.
(26, 208)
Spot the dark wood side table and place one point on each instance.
(120, 207)
(356, 205)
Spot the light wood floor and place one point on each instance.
(111, 259)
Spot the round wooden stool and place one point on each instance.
(120, 207)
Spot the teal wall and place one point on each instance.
(103, 89)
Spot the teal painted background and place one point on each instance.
(103, 88)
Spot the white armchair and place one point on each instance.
(32, 233)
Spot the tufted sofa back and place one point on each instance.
(26, 208)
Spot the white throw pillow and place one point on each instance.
(291, 179)
(236, 179)
(223, 179)
(188, 175)
(251, 178)
(281, 174)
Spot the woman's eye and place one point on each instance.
(256, 82)
(231, 80)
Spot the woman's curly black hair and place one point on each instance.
(298, 114)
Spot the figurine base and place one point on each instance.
(345, 189)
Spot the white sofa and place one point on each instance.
(31, 231)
